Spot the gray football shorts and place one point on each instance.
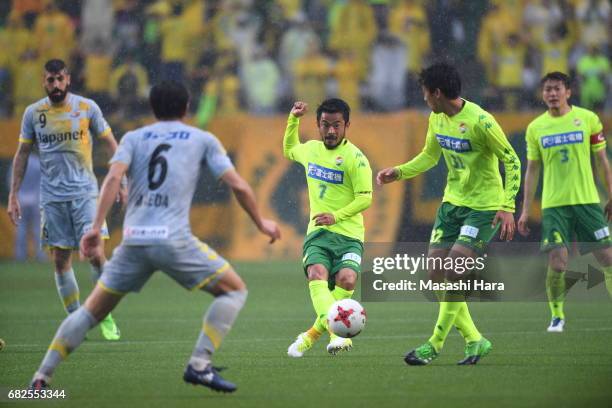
(191, 263)
(63, 223)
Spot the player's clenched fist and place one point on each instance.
(386, 176)
(299, 109)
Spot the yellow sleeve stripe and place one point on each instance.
(24, 140)
(598, 147)
(106, 132)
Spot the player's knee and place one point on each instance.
(61, 260)
(237, 298)
(100, 302)
(558, 259)
(346, 279)
(317, 272)
(435, 257)
(239, 285)
(462, 257)
(230, 281)
(557, 262)
(604, 256)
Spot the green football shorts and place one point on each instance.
(334, 251)
(584, 222)
(464, 226)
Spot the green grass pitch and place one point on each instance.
(527, 367)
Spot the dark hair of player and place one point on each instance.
(169, 100)
(55, 66)
(442, 76)
(334, 105)
(557, 76)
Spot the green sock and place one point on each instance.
(446, 318)
(555, 290)
(466, 326)
(338, 293)
(463, 321)
(608, 275)
(322, 300)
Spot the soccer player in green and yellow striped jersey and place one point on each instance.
(561, 141)
(475, 204)
(339, 181)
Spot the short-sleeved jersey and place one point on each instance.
(164, 161)
(564, 145)
(334, 178)
(472, 144)
(63, 136)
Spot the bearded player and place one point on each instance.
(61, 127)
(339, 181)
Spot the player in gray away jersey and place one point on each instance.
(162, 163)
(61, 127)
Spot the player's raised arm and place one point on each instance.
(424, 161)
(246, 198)
(292, 137)
(20, 163)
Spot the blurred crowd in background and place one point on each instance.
(257, 56)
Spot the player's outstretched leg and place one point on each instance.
(72, 331)
(322, 299)
(304, 341)
(348, 278)
(230, 295)
(108, 327)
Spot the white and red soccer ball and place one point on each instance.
(346, 318)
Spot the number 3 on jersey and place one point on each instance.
(157, 160)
